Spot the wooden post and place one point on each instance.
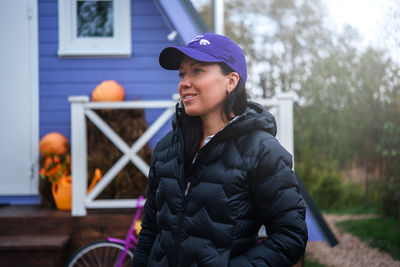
(285, 121)
(78, 154)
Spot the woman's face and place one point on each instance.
(202, 87)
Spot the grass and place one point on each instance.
(351, 210)
(310, 263)
(381, 233)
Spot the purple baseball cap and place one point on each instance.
(207, 47)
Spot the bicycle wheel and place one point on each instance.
(100, 254)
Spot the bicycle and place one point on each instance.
(111, 252)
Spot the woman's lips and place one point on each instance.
(187, 98)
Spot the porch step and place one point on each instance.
(33, 250)
(46, 234)
(33, 242)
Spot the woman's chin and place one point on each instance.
(191, 112)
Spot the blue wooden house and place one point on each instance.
(52, 49)
(49, 64)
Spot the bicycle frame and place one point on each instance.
(130, 240)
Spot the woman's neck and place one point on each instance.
(213, 124)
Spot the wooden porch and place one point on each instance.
(36, 236)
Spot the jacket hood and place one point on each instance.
(256, 117)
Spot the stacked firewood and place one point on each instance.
(129, 124)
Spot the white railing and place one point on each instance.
(281, 107)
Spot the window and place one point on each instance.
(94, 28)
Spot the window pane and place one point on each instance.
(95, 18)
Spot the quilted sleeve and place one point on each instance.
(281, 209)
(148, 232)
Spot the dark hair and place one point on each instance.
(192, 128)
(236, 101)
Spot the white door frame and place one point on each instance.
(34, 91)
(31, 163)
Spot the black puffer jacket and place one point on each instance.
(240, 180)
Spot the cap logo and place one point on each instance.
(196, 38)
(204, 42)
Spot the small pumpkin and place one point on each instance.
(108, 91)
(53, 143)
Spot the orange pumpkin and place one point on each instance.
(108, 91)
(53, 143)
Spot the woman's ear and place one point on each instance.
(233, 79)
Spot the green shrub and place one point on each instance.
(326, 186)
(327, 190)
(352, 196)
(321, 179)
(390, 197)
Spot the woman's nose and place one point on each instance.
(185, 82)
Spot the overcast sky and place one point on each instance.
(367, 16)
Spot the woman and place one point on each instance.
(220, 173)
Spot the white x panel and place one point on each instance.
(282, 106)
(129, 153)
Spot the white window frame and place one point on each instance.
(70, 45)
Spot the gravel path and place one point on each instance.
(350, 251)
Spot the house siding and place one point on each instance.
(140, 75)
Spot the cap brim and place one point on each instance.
(171, 57)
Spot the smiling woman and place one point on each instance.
(220, 174)
(203, 88)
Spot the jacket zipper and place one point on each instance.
(188, 189)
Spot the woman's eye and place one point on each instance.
(197, 70)
(181, 74)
